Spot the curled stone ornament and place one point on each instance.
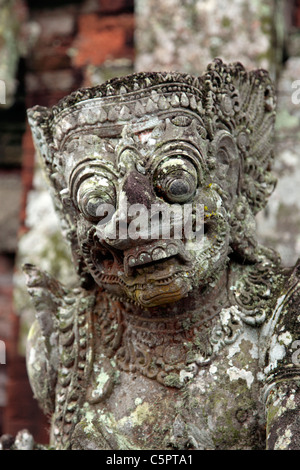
(169, 341)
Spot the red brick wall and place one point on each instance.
(114, 31)
(62, 43)
(296, 14)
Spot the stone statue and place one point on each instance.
(168, 341)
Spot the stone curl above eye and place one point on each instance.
(176, 179)
(94, 192)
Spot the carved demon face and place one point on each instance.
(152, 219)
(159, 176)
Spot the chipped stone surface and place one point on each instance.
(165, 343)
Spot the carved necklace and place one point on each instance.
(172, 348)
(167, 348)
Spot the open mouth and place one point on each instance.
(150, 272)
(159, 261)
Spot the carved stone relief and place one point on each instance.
(167, 342)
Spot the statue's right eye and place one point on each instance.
(92, 205)
(94, 193)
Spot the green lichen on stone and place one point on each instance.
(173, 380)
(274, 410)
(142, 414)
(136, 323)
(226, 22)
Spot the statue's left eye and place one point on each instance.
(91, 205)
(95, 194)
(176, 180)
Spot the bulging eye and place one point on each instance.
(176, 179)
(96, 197)
(90, 205)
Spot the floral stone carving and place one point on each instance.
(166, 342)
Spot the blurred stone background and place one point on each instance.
(50, 48)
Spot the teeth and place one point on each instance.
(131, 261)
(158, 253)
(141, 259)
(144, 258)
(172, 250)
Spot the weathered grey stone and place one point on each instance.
(165, 342)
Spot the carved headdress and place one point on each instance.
(225, 97)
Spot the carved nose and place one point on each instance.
(136, 190)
